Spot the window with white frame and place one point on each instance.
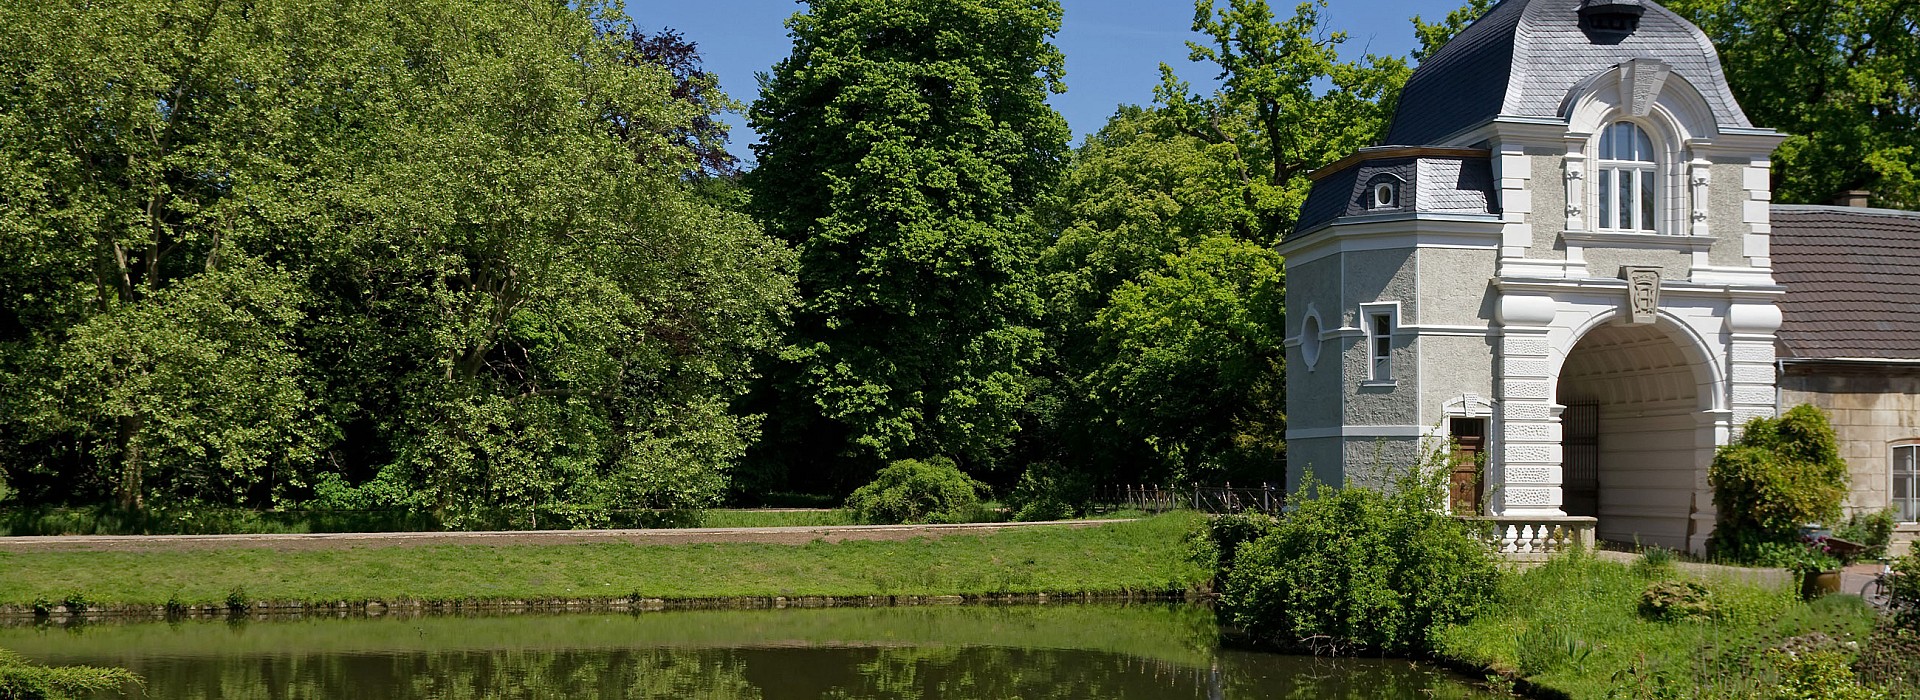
(1380, 323)
(1627, 184)
(1906, 481)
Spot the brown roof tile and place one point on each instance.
(1853, 282)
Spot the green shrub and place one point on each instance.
(1875, 530)
(1903, 591)
(1216, 544)
(1781, 474)
(21, 679)
(916, 491)
(1357, 568)
(1819, 675)
(1673, 601)
(1048, 491)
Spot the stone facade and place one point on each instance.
(1873, 409)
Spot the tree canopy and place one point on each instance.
(443, 255)
(905, 142)
(1839, 79)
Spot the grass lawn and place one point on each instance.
(1573, 626)
(1146, 555)
(748, 517)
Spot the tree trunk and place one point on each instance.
(130, 464)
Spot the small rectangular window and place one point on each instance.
(1382, 345)
(1906, 482)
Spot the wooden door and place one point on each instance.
(1469, 457)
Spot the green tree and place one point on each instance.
(905, 142)
(1287, 103)
(451, 255)
(1193, 360)
(1163, 294)
(1839, 78)
(1435, 35)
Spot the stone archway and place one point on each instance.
(1636, 425)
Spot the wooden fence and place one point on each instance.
(1265, 498)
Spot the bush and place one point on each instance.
(1819, 675)
(1216, 544)
(1781, 474)
(1875, 530)
(1673, 601)
(1356, 568)
(1903, 591)
(1048, 491)
(916, 491)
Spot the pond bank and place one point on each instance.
(1116, 558)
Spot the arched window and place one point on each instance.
(1628, 183)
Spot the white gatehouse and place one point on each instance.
(1562, 264)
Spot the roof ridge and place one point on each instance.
(1840, 209)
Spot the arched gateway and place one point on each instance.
(1563, 265)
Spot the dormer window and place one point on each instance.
(1611, 17)
(1628, 182)
(1385, 195)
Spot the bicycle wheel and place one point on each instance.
(1875, 592)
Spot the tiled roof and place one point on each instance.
(1853, 282)
(1524, 57)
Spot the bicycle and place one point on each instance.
(1878, 592)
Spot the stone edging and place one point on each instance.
(18, 614)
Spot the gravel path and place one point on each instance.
(702, 535)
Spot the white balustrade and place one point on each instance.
(1533, 538)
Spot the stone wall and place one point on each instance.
(1871, 410)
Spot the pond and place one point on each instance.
(897, 653)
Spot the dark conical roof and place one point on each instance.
(1523, 57)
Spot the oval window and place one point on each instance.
(1383, 196)
(1310, 341)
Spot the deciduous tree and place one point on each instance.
(1839, 78)
(905, 142)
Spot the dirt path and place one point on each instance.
(703, 535)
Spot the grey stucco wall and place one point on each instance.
(1314, 393)
(1314, 285)
(1375, 461)
(1453, 366)
(1318, 456)
(1381, 276)
(1726, 210)
(1458, 287)
(1606, 262)
(1549, 217)
(1368, 276)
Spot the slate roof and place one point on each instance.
(1523, 58)
(1453, 181)
(1853, 282)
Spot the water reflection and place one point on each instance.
(961, 653)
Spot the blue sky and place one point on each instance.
(1113, 47)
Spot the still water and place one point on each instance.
(902, 653)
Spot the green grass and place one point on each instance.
(1146, 555)
(1573, 626)
(728, 517)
